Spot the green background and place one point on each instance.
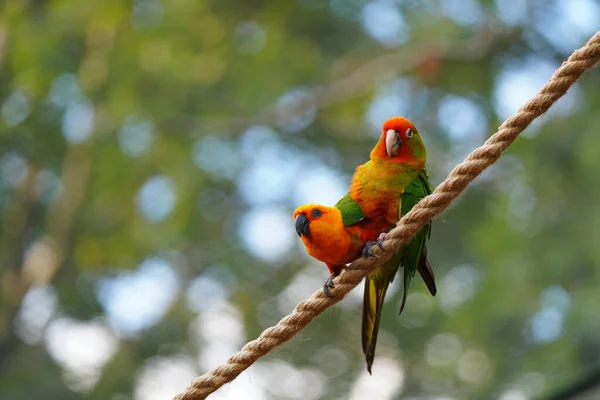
(152, 154)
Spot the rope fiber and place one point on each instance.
(427, 209)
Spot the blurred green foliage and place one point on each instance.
(150, 153)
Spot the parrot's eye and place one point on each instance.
(316, 213)
(409, 133)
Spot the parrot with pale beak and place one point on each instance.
(382, 190)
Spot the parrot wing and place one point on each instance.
(414, 254)
(351, 211)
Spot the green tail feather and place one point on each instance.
(412, 258)
(376, 285)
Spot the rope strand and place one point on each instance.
(427, 209)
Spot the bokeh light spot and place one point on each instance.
(156, 199)
(547, 325)
(268, 233)
(82, 348)
(383, 21)
(519, 81)
(47, 186)
(134, 301)
(136, 135)
(15, 108)
(463, 12)
(146, 14)
(270, 175)
(13, 168)
(217, 156)
(65, 90)
(321, 185)
(386, 383)
(474, 367)
(555, 296)
(204, 293)
(443, 349)
(296, 110)
(463, 119)
(513, 12)
(458, 286)
(390, 99)
(78, 122)
(164, 377)
(250, 37)
(37, 307)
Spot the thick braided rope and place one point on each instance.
(422, 212)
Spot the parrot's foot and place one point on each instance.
(329, 285)
(368, 249)
(380, 240)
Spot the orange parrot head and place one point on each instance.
(317, 220)
(322, 231)
(400, 143)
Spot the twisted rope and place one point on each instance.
(427, 209)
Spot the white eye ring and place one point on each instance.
(409, 133)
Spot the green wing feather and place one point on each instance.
(376, 285)
(414, 254)
(351, 210)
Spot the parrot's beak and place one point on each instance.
(392, 142)
(302, 224)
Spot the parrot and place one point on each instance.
(336, 235)
(387, 187)
(381, 191)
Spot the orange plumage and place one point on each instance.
(327, 239)
(395, 161)
(382, 190)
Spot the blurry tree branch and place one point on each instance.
(37, 263)
(388, 66)
(363, 79)
(15, 220)
(22, 265)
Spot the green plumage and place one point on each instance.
(376, 285)
(412, 257)
(414, 254)
(351, 211)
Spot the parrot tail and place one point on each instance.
(406, 284)
(426, 272)
(372, 305)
